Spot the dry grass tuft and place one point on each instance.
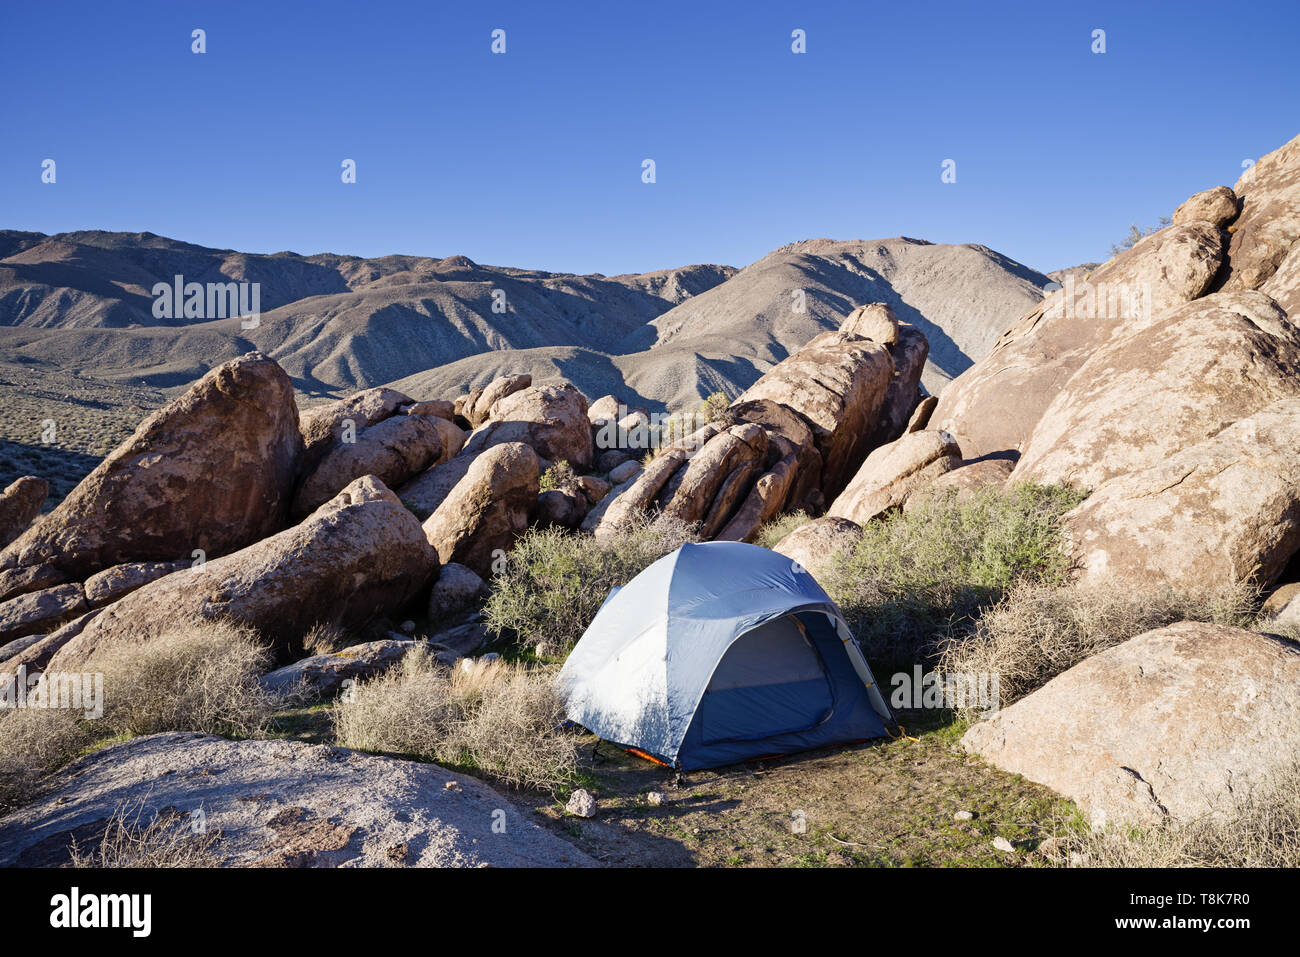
(166, 841)
(1036, 632)
(501, 719)
(1259, 829)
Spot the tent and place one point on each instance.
(718, 653)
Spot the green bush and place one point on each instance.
(559, 476)
(778, 528)
(916, 576)
(555, 580)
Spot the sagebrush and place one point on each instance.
(502, 719)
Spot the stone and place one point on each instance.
(581, 804)
(108, 586)
(550, 419)
(283, 803)
(1269, 224)
(481, 409)
(813, 544)
(1174, 723)
(837, 382)
(211, 470)
(1143, 397)
(892, 472)
(1225, 509)
(875, 321)
(358, 556)
(963, 481)
(323, 426)
(322, 676)
(394, 451)
(20, 503)
(487, 509)
(40, 611)
(560, 507)
(456, 589)
(1217, 206)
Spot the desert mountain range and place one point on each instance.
(82, 303)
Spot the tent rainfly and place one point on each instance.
(718, 653)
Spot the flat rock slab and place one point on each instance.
(285, 804)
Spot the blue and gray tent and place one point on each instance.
(718, 653)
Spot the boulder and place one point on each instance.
(424, 493)
(211, 470)
(604, 409)
(963, 480)
(281, 803)
(837, 383)
(892, 472)
(636, 496)
(920, 417)
(480, 410)
(992, 408)
(1283, 287)
(360, 555)
(610, 459)
(112, 583)
(765, 501)
(1269, 223)
(40, 611)
(813, 544)
(34, 656)
(393, 451)
(875, 321)
(433, 409)
(323, 675)
(487, 509)
(20, 503)
(1143, 397)
(1282, 608)
(1217, 206)
(624, 471)
(456, 589)
(324, 426)
(593, 488)
(710, 484)
(1225, 509)
(1172, 724)
(909, 354)
(551, 419)
(560, 507)
(20, 580)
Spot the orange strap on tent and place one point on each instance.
(649, 757)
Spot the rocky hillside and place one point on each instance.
(81, 303)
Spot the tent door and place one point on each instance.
(771, 681)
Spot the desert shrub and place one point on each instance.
(778, 528)
(1259, 828)
(559, 476)
(1035, 632)
(555, 580)
(915, 577)
(501, 719)
(195, 676)
(325, 638)
(716, 408)
(167, 840)
(1138, 233)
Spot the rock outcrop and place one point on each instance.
(487, 508)
(1225, 509)
(20, 503)
(892, 472)
(325, 426)
(815, 543)
(1170, 724)
(551, 419)
(358, 556)
(284, 803)
(212, 470)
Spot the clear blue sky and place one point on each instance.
(533, 158)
